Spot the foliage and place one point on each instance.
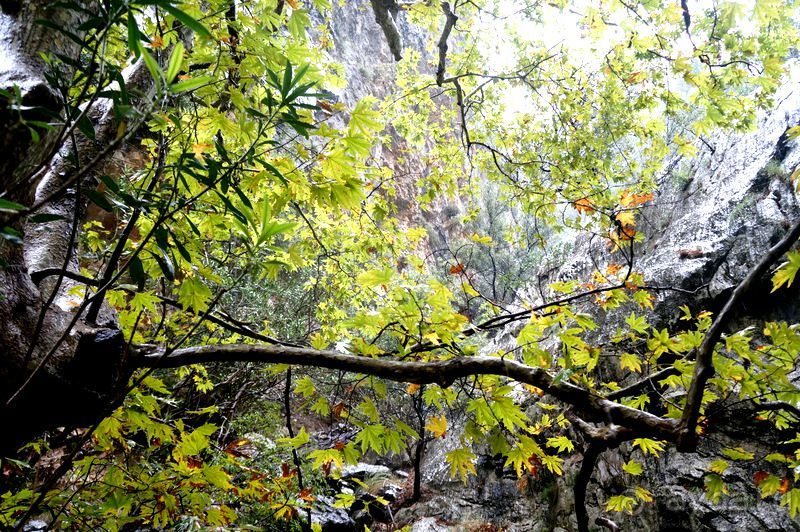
(255, 187)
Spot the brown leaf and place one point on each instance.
(458, 268)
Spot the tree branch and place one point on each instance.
(449, 23)
(704, 367)
(385, 21)
(599, 439)
(443, 373)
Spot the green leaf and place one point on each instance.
(368, 408)
(175, 62)
(305, 387)
(792, 500)
(786, 272)
(461, 463)
(216, 476)
(190, 84)
(631, 362)
(715, 487)
(99, 199)
(187, 20)
(718, 466)
(275, 228)
(194, 294)
(769, 486)
(649, 446)
(134, 36)
(637, 323)
(152, 66)
(371, 437)
(632, 467)
(373, 278)
(10, 206)
(136, 271)
(195, 442)
(562, 443)
(621, 503)
(301, 439)
(738, 453)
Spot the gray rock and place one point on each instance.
(35, 526)
(428, 524)
(330, 518)
(364, 471)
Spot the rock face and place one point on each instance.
(714, 216)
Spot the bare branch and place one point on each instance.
(443, 373)
(449, 23)
(384, 19)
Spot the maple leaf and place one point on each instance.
(437, 425)
(626, 218)
(635, 77)
(629, 199)
(584, 206)
(458, 268)
(156, 42)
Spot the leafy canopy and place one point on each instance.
(251, 171)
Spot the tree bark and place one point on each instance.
(57, 370)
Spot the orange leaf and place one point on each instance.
(636, 77)
(759, 477)
(292, 3)
(584, 205)
(785, 485)
(412, 388)
(458, 268)
(629, 199)
(305, 494)
(156, 42)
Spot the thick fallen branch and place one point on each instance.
(443, 373)
(704, 367)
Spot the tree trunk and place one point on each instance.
(56, 369)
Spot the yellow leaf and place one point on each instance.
(437, 425)
(627, 218)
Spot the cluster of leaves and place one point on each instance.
(247, 170)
